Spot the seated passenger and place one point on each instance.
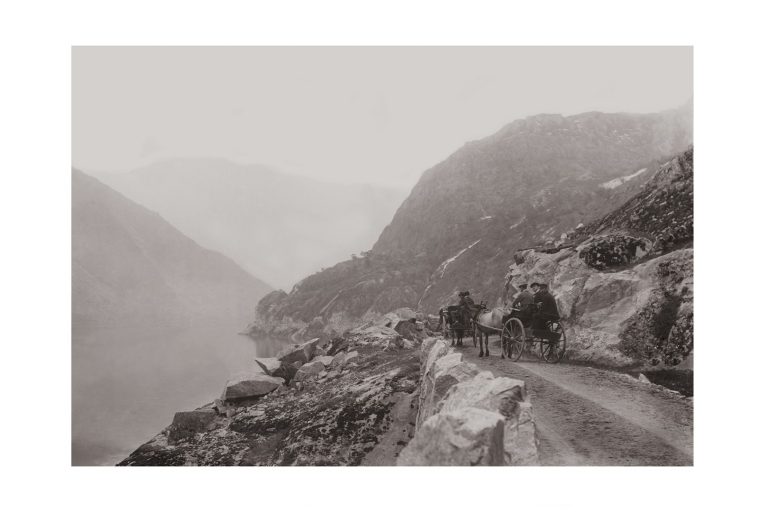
(546, 307)
(522, 304)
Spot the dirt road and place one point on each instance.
(589, 416)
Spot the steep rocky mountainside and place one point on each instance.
(276, 226)
(661, 212)
(626, 288)
(130, 265)
(534, 182)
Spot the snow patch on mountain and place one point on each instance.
(444, 265)
(623, 179)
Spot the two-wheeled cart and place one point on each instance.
(516, 339)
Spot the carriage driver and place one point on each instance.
(465, 301)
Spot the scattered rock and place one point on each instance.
(409, 329)
(326, 360)
(188, 423)
(250, 386)
(308, 371)
(301, 353)
(268, 364)
(338, 360)
(642, 378)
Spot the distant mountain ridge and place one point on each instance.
(130, 266)
(277, 226)
(535, 180)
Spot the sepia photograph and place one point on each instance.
(382, 256)
(428, 255)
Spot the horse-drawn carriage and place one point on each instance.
(456, 325)
(516, 337)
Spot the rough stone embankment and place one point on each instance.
(468, 417)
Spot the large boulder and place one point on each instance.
(268, 364)
(338, 360)
(250, 385)
(286, 371)
(301, 353)
(506, 397)
(309, 371)
(467, 437)
(188, 423)
(410, 329)
(326, 360)
(444, 373)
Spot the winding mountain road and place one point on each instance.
(592, 417)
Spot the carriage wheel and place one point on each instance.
(513, 338)
(553, 351)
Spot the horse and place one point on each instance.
(457, 321)
(489, 322)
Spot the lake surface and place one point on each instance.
(128, 383)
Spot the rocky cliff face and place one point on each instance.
(626, 289)
(531, 184)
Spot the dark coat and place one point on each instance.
(548, 304)
(523, 300)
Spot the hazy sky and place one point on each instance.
(362, 114)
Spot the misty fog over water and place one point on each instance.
(127, 383)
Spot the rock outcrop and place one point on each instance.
(468, 417)
(250, 385)
(626, 290)
(298, 353)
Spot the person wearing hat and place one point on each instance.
(521, 305)
(465, 301)
(546, 307)
(465, 310)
